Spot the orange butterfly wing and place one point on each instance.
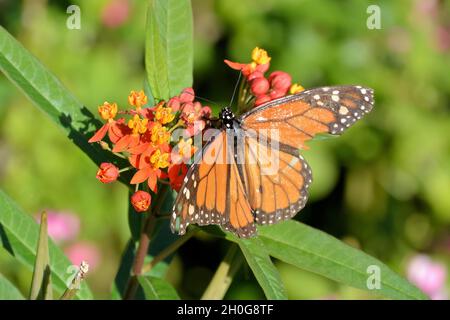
(276, 180)
(298, 118)
(280, 192)
(213, 192)
(238, 188)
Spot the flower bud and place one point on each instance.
(262, 99)
(141, 201)
(187, 95)
(260, 86)
(280, 81)
(107, 172)
(254, 75)
(174, 103)
(275, 94)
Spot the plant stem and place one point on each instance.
(143, 246)
(168, 251)
(241, 96)
(223, 277)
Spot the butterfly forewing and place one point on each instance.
(300, 117)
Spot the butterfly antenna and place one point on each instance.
(235, 88)
(201, 98)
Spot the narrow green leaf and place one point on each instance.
(265, 272)
(8, 291)
(318, 252)
(157, 289)
(50, 96)
(169, 47)
(41, 285)
(223, 277)
(19, 235)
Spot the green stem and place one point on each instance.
(125, 169)
(143, 246)
(168, 251)
(224, 275)
(241, 96)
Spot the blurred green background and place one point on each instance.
(384, 186)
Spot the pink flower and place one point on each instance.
(84, 251)
(62, 227)
(427, 275)
(443, 38)
(116, 13)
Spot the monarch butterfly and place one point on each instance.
(228, 185)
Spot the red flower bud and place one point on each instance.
(280, 81)
(141, 201)
(254, 75)
(187, 95)
(262, 99)
(259, 86)
(275, 94)
(262, 67)
(174, 103)
(107, 172)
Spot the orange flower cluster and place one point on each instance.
(144, 137)
(263, 89)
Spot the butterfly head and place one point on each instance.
(227, 117)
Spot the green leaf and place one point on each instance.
(19, 235)
(318, 252)
(169, 47)
(265, 272)
(157, 289)
(8, 291)
(50, 96)
(41, 285)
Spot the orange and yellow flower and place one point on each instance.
(137, 99)
(164, 115)
(143, 136)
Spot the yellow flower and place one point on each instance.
(137, 124)
(159, 160)
(260, 56)
(164, 115)
(160, 135)
(108, 111)
(296, 88)
(137, 99)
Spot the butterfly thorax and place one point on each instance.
(227, 117)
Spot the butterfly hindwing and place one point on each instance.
(277, 179)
